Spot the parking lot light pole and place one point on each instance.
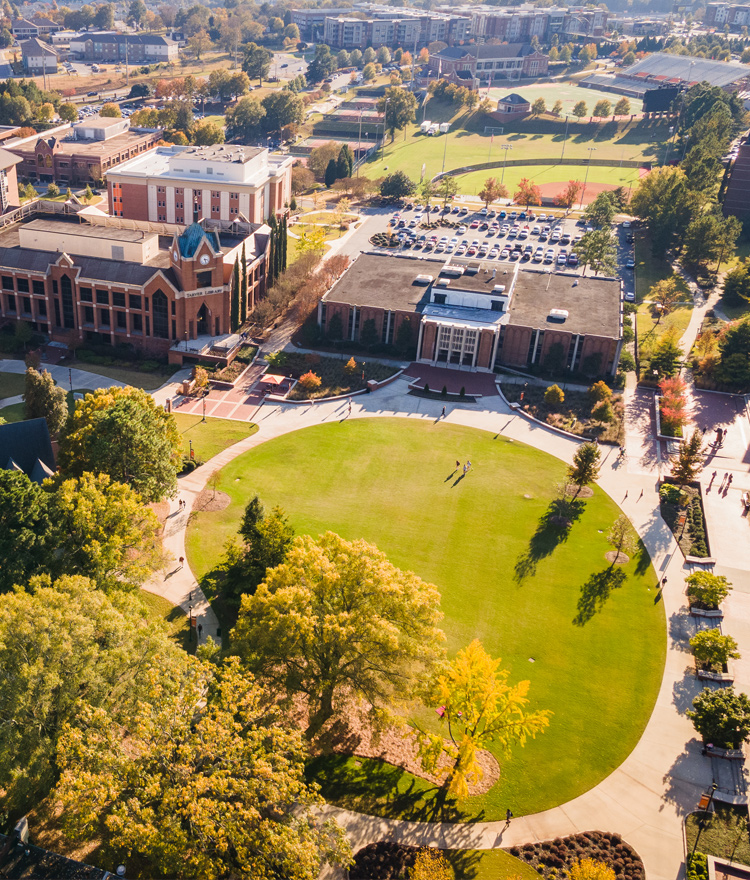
(505, 148)
(586, 178)
(565, 138)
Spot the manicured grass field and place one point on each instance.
(212, 436)
(16, 412)
(391, 481)
(473, 182)
(569, 93)
(147, 381)
(725, 833)
(11, 384)
(529, 138)
(159, 608)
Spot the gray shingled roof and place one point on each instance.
(26, 444)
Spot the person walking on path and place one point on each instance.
(508, 816)
(349, 401)
(442, 415)
(458, 464)
(182, 561)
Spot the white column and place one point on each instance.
(224, 202)
(536, 344)
(494, 347)
(354, 323)
(153, 208)
(170, 203)
(575, 353)
(245, 206)
(477, 341)
(206, 203)
(419, 341)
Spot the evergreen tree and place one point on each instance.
(44, 399)
(331, 173)
(234, 313)
(345, 162)
(243, 296)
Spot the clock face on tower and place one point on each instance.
(174, 256)
(205, 259)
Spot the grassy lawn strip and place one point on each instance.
(725, 833)
(212, 436)
(11, 384)
(473, 182)
(335, 378)
(392, 482)
(130, 374)
(16, 412)
(650, 328)
(159, 608)
(648, 268)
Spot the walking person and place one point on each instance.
(182, 561)
(508, 816)
(442, 415)
(349, 401)
(468, 465)
(200, 631)
(458, 464)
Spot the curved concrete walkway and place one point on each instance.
(646, 798)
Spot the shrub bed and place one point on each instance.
(573, 415)
(551, 857)
(384, 860)
(116, 359)
(335, 378)
(683, 513)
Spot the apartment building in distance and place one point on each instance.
(83, 153)
(111, 47)
(718, 15)
(164, 289)
(37, 57)
(522, 23)
(222, 182)
(407, 30)
(311, 22)
(24, 29)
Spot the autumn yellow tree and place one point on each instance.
(431, 864)
(590, 869)
(477, 707)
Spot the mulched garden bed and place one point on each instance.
(683, 513)
(336, 380)
(553, 858)
(383, 860)
(573, 415)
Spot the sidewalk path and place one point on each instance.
(647, 797)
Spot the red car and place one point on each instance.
(474, 224)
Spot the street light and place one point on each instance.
(565, 138)
(714, 786)
(586, 178)
(505, 148)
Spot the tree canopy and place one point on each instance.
(256, 62)
(722, 716)
(400, 108)
(336, 619)
(585, 467)
(122, 432)
(208, 781)
(397, 186)
(43, 399)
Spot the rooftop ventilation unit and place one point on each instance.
(442, 282)
(558, 315)
(424, 279)
(453, 271)
(498, 288)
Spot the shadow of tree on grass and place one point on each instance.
(595, 592)
(552, 529)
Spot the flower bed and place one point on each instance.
(671, 407)
(573, 415)
(551, 857)
(233, 371)
(336, 378)
(682, 511)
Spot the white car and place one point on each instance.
(539, 255)
(505, 229)
(461, 229)
(494, 252)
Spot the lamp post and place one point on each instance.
(505, 148)
(445, 152)
(565, 138)
(586, 178)
(714, 786)
(359, 141)
(385, 121)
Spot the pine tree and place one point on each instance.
(331, 173)
(234, 309)
(243, 298)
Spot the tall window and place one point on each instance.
(160, 312)
(68, 307)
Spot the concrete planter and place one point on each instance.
(715, 613)
(657, 403)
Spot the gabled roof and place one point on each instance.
(113, 37)
(26, 446)
(503, 50)
(451, 53)
(513, 98)
(191, 240)
(35, 46)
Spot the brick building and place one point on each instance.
(491, 61)
(461, 314)
(223, 182)
(84, 153)
(163, 289)
(38, 57)
(391, 29)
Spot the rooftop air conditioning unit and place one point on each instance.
(453, 271)
(558, 314)
(424, 279)
(498, 288)
(442, 282)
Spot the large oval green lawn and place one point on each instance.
(392, 482)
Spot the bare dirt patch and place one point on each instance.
(351, 733)
(617, 558)
(584, 492)
(209, 501)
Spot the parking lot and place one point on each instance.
(507, 235)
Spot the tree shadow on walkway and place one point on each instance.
(596, 591)
(552, 529)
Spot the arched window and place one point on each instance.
(68, 307)
(160, 314)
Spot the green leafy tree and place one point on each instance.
(45, 400)
(602, 109)
(369, 72)
(104, 18)
(104, 532)
(427, 190)
(383, 55)
(538, 107)
(256, 62)
(53, 190)
(397, 185)
(68, 112)
(585, 467)
(207, 133)
(87, 646)
(713, 650)
(665, 295)
(598, 250)
(111, 110)
(554, 395)
(322, 65)
(621, 537)
(492, 190)
(603, 412)
(447, 188)
(736, 288)
(601, 211)
(244, 121)
(664, 201)
(622, 107)
(557, 106)
(600, 391)
(400, 109)
(580, 110)
(706, 589)
(710, 237)
(478, 707)
(88, 195)
(722, 717)
(283, 110)
(666, 354)
(123, 432)
(197, 793)
(688, 463)
(338, 619)
(27, 538)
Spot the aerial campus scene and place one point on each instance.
(374, 440)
